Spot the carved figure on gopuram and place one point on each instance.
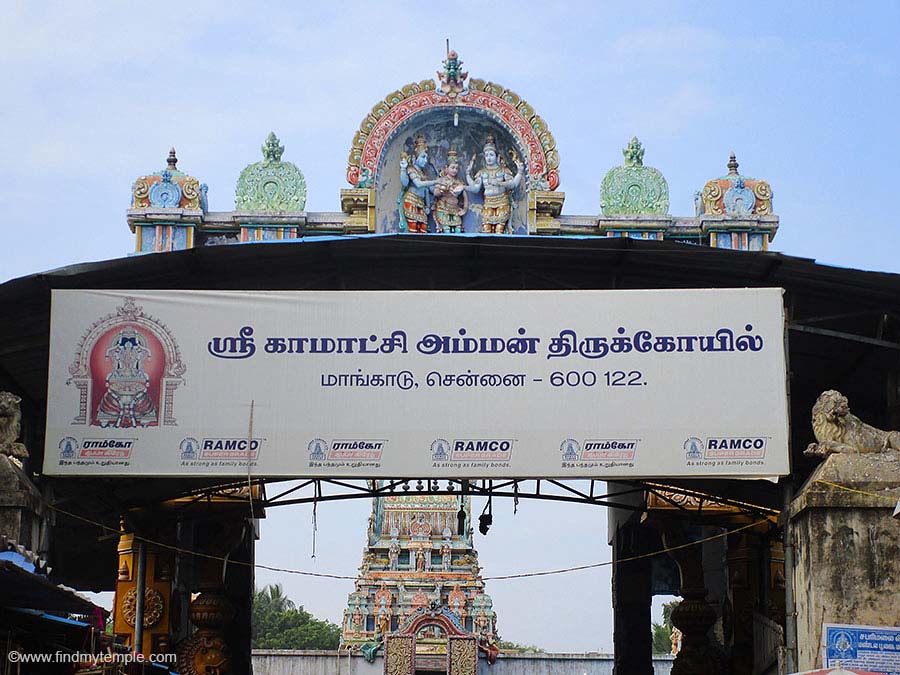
(356, 619)
(495, 181)
(414, 203)
(420, 528)
(452, 202)
(446, 555)
(394, 555)
(457, 602)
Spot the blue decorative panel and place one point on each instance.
(756, 242)
(148, 239)
(724, 240)
(739, 200)
(179, 238)
(165, 194)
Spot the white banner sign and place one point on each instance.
(418, 384)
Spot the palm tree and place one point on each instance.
(274, 599)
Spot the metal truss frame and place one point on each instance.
(582, 491)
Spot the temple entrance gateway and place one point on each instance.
(755, 563)
(149, 466)
(431, 640)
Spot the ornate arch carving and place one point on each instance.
(528, 129)
(424, 617)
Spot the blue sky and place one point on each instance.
(806, 94)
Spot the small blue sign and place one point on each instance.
(875, 648)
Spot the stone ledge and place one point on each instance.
(876, 473)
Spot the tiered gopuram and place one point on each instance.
(417, 560)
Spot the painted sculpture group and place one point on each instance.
(445, 197)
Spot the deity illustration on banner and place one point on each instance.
(126, 369)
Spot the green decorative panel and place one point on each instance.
(634, 189)
(271, 185)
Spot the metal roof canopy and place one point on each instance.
(844, 324)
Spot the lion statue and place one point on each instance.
(10, 425)
(838, 430)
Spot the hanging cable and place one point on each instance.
(207, 556)
(315, 525)
(249, 455)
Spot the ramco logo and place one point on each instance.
(67, 448)
(356, 448)
(93, 444)
(230, 448)
(570, 448)
(317, 450)
(736, 447)
(117, 448)
(610, 448)
(468, 449)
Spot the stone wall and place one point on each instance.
(284, 662)
(847, 547)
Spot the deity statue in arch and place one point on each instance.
(126, 402)
(451, 202)
(496, 182)
(394, 555)
(446, 556)
(414, 201)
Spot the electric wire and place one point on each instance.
(328, 575)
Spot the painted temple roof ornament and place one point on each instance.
(169, 189)
(451, 92)
(735, 195)
(634, 189)
(271, 185)
(452, 82)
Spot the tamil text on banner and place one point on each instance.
(418, 384)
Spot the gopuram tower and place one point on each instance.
(418, 559)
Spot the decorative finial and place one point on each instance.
(732, 165)
(452, 81)
(634, 153)
(172, 161)
(489, 143)
(272, 149)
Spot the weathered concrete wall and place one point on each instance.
(847, 548)
(277, 662)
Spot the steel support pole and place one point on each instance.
(139, 600)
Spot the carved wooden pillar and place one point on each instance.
(631, 591)
(744, 584)
(157, 608)
(693, 616)
(221, 613)
(206, 652)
